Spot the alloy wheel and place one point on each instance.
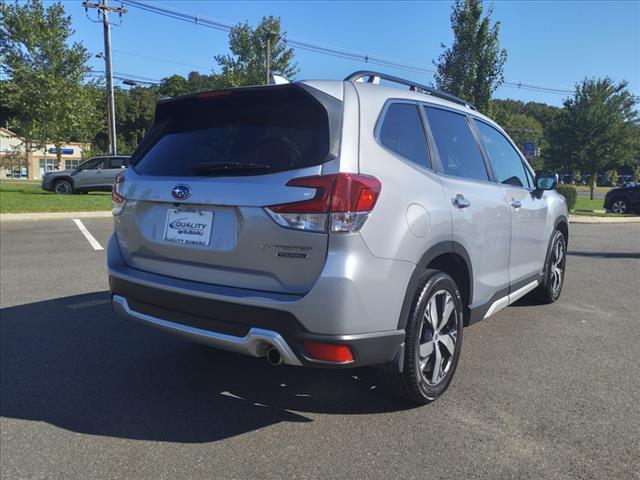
(438, 337)
(557, 267)
(619, 206)
(62, 188)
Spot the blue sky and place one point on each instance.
(549, 43)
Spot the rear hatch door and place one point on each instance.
(199, 183)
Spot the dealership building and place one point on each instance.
(17, 162)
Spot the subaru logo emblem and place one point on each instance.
(181, 192)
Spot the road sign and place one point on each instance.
(530, 149)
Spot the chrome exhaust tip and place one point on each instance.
(274, 357)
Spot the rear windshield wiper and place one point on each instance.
(227, 167)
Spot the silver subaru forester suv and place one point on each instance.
(333, 224)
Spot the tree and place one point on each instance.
(173, 86)
(247, 63)
(46, 77)
(597, 128)
(472, 68)
(135, 111)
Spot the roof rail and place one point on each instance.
(375, 77)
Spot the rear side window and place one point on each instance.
(93, 164)
(402, 132)
(117, 162)
(237, 132)
(459, 153)
(506, 162)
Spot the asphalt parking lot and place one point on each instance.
(542, 391)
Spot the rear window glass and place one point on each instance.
(238, 133)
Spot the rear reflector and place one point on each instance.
(329, 352)
(342, 203)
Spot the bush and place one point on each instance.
(569, 193)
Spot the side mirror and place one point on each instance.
(546, 180)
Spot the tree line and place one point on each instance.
(48, 92)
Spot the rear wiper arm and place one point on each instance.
(231, 167)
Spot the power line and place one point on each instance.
(325, 49)
(139, 55)
(303, 45)
(128, 76)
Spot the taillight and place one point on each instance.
(117, 194)
(342, 203)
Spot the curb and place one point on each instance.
(9, 217)
(586, 219)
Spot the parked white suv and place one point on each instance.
(333, 224)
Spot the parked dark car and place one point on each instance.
(568, 179)
(623, 180)
(624, 199)
(604, 181)
(95, 175)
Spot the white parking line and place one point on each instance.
(87, 234)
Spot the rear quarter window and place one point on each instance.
(402, 132)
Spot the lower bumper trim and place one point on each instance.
(255, 343)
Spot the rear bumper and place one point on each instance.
(241, 329)
(242, 321)
(255, 343)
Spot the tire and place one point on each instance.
(429, 362)
(63, 187)
(619, 205)
(554, 271)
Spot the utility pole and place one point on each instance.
(104, 9)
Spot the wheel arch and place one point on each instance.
(451, 258)
(562, 224)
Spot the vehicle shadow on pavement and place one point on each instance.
(72, 363)
(605, 254)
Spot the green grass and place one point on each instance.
(585, 188)
(583, 203)
(31, 198)
(594, 208)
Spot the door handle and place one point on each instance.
(460, 202)
(515, 203)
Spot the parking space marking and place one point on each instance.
(87, 234)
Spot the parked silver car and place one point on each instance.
(333, 224)
(95, 175)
